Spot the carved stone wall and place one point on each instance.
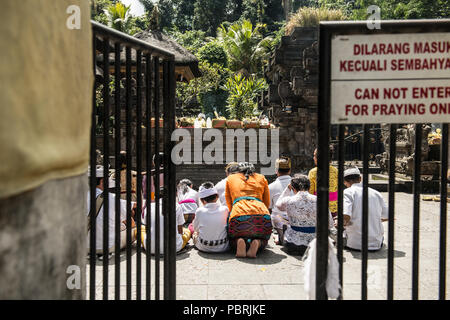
(292, 98)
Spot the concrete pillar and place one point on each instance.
(42, 237)
(46, 77)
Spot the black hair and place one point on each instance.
(353, 178)
(122, 159)
(300, 182)
(97, 180)
(211, 198)
(247, 169)
(330, 151)
(283, 171)
(233, 169)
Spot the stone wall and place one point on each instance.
(292, 98)
(288, 144)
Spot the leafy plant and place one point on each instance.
(246, 48)
(119, 16)
(310, 17)
(213, 52)
(242, 95)
(205, 89)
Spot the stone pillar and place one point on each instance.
(46, 74)
(43, 241)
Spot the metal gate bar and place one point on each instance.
(340, 229)
(157, 182)
(365, 212)
(148, 97)
(128, 160)
(391, 206)
(443, 216)
(92, 182)
(139, 171)
(107, 41)
(105, 164)
(323, 130)
(117, 118)
(416, 211)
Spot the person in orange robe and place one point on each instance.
(249, 224)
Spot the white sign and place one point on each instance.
(390, 78)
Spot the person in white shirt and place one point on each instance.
(111, 217)
(210, 223)
(377, 213)
(232, 167)
(187, 199)
(182, 234)
(301, 209)
(280, 218)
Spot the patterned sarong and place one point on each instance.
(250, 227)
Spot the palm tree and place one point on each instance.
(119, 16)
(245, 46)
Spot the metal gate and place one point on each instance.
(133, 111)
(327, 32)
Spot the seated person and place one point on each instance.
(187, 199)
(123, 178)
(378, 212)
(182, 234)
(301, 211)
(333, 183)
(249, 223)
(231, 168)
(210, 223)
(279, 218)
(98, 213)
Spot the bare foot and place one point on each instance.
(254, 246)
(240, 251)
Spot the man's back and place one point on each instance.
(276, 188)
(211, 224)
(353, 208)
(220, 187)
(111, 219)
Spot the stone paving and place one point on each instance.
(274, 275)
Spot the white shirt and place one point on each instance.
(220, 187)
(301, 210)
(111, 219)
(211, 224)
(179, 221)
(188, 207)
(275, 189)
(353, 207)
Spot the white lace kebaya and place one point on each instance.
(301, 211)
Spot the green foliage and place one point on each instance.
(183, 14)
(310, 17)
(243, 93)
(276, 36)
(119, 17)
(392, 9)
(208, 15)
(148, 5)
(246, 48)
(214, 101)
(138, 24)
(167, 13)
(206, 89)
(98, 8)
(213, 53)
(191, 40)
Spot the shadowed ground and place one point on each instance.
(275, 275)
